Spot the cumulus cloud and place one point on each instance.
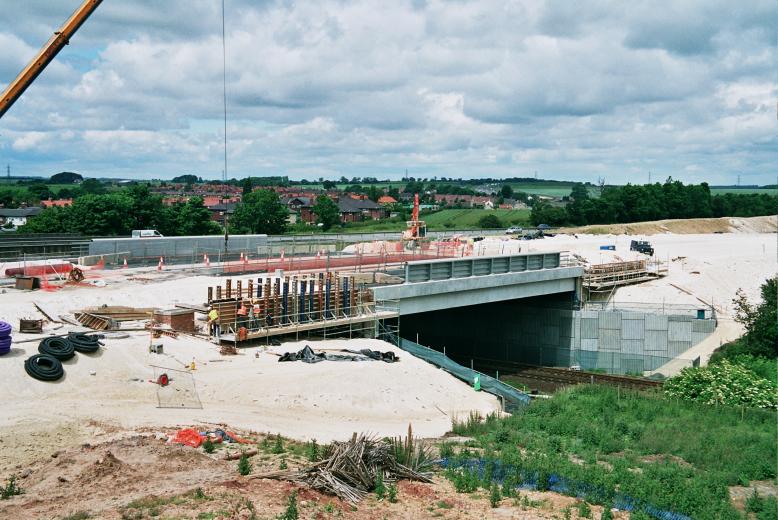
(475, 88)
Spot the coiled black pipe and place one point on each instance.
(44, 367)
(84, 343)
(60, 348)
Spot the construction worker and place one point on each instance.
(257, 315)
(250, 324)
(213, 322)
(242, 314)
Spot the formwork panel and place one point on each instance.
(610, 339)
(706, 326)
(676, 348)
(632, 329)
(535, 262)
(462, 269)
(656, 322)
(632, 346)
(679, 331)
(656, 340)
(440, 271)
(518, 263)
(500, 265)
(609, 320)
(551, 260)
(482, 266)
(590, 328)
(589, 344)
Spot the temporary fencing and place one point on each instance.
(512, 398)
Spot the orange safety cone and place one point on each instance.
(245, 259)
(124, 266)
(161, 264)
(207, 262)
(241, 256)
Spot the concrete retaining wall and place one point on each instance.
(109, 259)
(177, 246)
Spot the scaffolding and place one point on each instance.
(318, 304)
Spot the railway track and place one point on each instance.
(564, 376)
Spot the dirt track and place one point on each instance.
(686, 226)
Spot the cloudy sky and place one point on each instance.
(570, 90)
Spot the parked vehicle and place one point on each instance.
(513, 231)
(642, 246)
(146, 233)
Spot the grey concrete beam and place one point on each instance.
(459, 292)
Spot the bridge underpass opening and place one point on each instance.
(534, 331)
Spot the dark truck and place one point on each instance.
(642, 246)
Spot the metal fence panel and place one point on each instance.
(679, 330)
(610, 340)
(633, 329)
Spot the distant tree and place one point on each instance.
(545, 213)
(246, 185)
(489, 222)
(261, 211)
(374, 193)
(327, 212)
(65, 178)
(39, 191)
(93, 186)
(329, 185)
(193, 218)
(343, 179)
(506, 191)
(186, 179)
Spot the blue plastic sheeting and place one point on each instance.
(559, 484)
(513, 399)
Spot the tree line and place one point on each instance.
(638, 203)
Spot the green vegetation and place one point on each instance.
(312, 451)
(379, 488)
(10, 489)
(723, 383)
(673, 455)
(244, 465)
(391, 493)
(636, 203)
(469, 218)
(720, 190)
(326, 211)
(118, 213)
(78, 515)
(291, 512)
(743, 372)
(208, 446)
(261, 211)
(278, 447)
(489, 221)
(494, 495)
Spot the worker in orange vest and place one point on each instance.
(242, 314)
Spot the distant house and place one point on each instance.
(56, 203)
(353, 210)
(218, 211)
(301, 207)
(386, 199)
(17, 217)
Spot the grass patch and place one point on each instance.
(676, 456)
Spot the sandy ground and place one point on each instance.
(141, 477)
(252, 390)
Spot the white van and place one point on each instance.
(146, 233)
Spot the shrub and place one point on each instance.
(244, 465)
(283, 464)
(208, 446)
(391, 493)
(606, 513)
(489, 222)
(10, 489)
(723, 383)
(290, 513)
(494, 495)
(446, 450)
(584, 511)
(278, 447)
(380, 488)
(313, 451)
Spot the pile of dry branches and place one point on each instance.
(350, 469)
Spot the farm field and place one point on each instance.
(468, 218)
(743, 191)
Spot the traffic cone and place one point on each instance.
(245, 259)
(207, 261)
(241, 256)
(124, 266)
(282, 255)
(161, 264)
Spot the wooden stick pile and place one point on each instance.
(350, 469)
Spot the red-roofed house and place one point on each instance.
(386, 199)
(56, 203)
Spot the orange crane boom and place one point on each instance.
(46, 54)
